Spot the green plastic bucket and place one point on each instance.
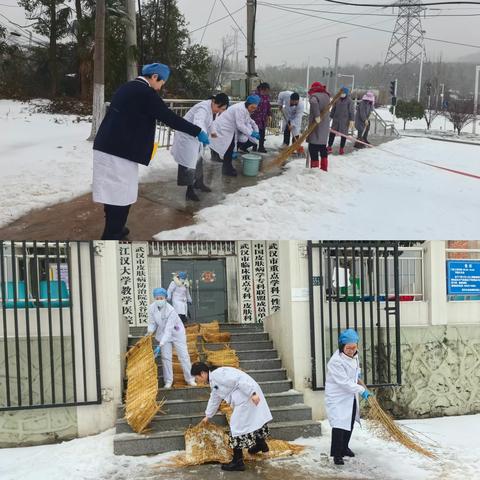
(251, 164)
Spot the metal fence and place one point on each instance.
(356, 285)
(49, 353)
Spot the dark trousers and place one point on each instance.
(189, 176)
(246, 145)
(229, 152)
(340, 437)
(261, 142)
(331, 139)
(115, 221)
(315, 149)
(287, 134)
(364, 134)
(183, 318)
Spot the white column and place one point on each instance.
(113, 338)
(435, 282)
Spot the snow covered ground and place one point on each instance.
(375, 193)
(378, 193)
(453, 440)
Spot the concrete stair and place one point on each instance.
(186, 406)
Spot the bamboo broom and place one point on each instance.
(283, 156)
(386, 427)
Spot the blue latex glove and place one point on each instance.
(234, 155)
(156, 351)
(255, 135)
(203, 137)
(365, 394)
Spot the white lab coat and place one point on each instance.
(186, 150)
(341, 389)
(115, 179)
(179, 296)
(236, 388)
(294, 115)
(284, 98)
(169, 332)
(236, 123)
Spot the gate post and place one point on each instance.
(435, 282)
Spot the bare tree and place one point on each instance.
(220, 61)
(460, 113)
(98, 69)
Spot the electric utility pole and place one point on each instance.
(251, 18)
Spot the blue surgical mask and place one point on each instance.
(160, 303)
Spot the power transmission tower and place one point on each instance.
(407, 44)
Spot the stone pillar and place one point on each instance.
(435, 282)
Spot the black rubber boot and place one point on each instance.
(191, 195)
(199, 185)
(260, 446)
(228, 169)
(338, 461)
(236, 465)
(348, 453)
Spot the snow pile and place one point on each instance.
(453, 439)
(369, 194)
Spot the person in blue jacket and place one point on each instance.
(125, 140)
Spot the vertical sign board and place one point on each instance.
(273, 276)
(139, 257)
(260, 280)
(246, 282)
(126, 283)
(463, 277)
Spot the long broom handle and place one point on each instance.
(283, 156)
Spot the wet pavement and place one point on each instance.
(161, 206)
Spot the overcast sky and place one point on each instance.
(283, 37)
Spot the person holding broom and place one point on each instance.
(179, 295)
(362, 121)
(251, 414)
(319, 98)
(165, 324)
(125, 139)
(342, 388)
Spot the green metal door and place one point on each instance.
(208, 286)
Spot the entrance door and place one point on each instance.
(208, 286)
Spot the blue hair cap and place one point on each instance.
(163, 71)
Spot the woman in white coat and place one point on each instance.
(342, 388)
(292, 118)
(187, 150)
(232, 127)
(178, 294)
(165, 324)
(250, 417)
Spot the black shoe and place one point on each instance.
(236, 465)
(191, 195)
(260, 446)
(338, 461)
(202, 187)
(348, 453)
(262, 150)
(243, 150)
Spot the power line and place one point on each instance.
(215, 21)
(370, 28)
(339, 2)
(208, 21)
(234, 21)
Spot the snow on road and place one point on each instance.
(376, 193)
(453, 440)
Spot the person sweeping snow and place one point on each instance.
(319, 98)
(178, 294)
(125, 139)
(362, 122)
(187, 150)
(342, 388)
(165, 324)
(234, 125)
(292, 112)
(342, 114)
(251, 414)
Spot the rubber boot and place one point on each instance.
(341, 151)
(236, 465)
(329, 149)
(314, 163)
(199, 185)
(260, 446)
(324, 164)
(348, 453)
(228, 169)
(191, 195)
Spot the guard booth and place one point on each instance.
(359, 285)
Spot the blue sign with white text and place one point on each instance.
(463, 277)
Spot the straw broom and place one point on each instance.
(283, 156)
(386, 427)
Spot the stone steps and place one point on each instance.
(257, 375)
